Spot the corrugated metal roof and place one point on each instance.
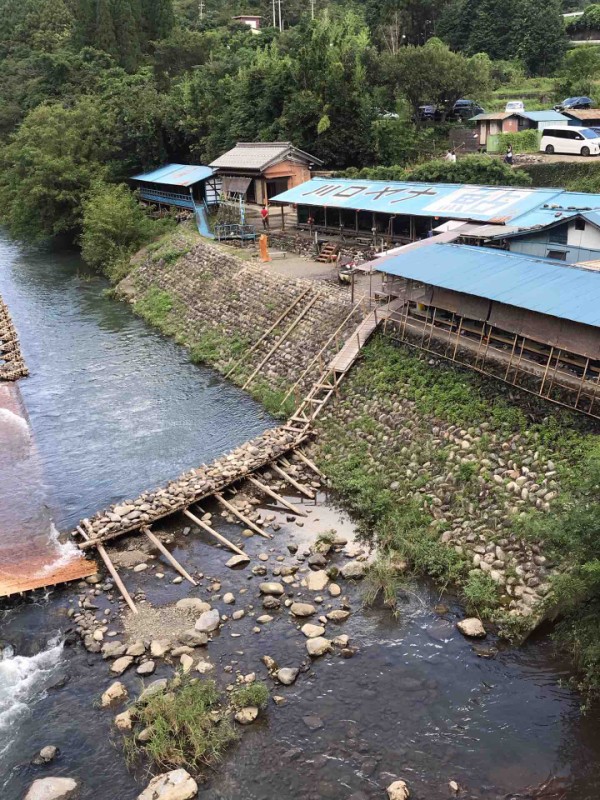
(494, 115)
(448, 200)
(176, 175)
(257, 156)
(582, 113)
(548, 287)
(544, 116)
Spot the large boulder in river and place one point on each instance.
(52, 789)
(471, 627)
(353, 570)
(271, 588)
(208, 622)
(175, 785)
(398, 790)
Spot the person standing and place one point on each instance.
(453, 156)
(448, 156)
(264, 213)
(508, 158)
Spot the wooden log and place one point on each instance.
(309, 463)
(302, 489)
(248, 523)
(278, 499)
(113, 572)
(170, 558)
(214, 533)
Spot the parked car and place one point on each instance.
(464, 109)
(571, 140)
(515, 105)
(428, 113)
(574, 102)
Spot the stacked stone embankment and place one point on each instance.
(220, 299)
(12, 364)
(474, 483)
(193, 485)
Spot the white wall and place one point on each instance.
(588, 238)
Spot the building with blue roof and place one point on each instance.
(179, 185)
(532, 322)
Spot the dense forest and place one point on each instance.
(93, 90)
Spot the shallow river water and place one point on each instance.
(116, 408)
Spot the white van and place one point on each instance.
(580, 141)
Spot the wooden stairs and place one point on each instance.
(328, 253)
(328, 382)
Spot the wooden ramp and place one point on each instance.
(328, 382)
(45, 577)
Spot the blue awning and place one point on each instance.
(499, 204)
(542, 285)
(176, 175)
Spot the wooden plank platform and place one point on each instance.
(44, 578)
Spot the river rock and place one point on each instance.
(337, 615)
(228, 599)
(318, 646)
(123, 721)
(398, 790)
(471, 627)
(271, 588)
(334, 590)
(192, 604)
(270, 602)
(208, 621)
(147, 668)
(115, 693)
(287, 675)
(113, 649)
(136, 649)
(237, 561)
(312, 631)
(246, 715)
(317, 581)
(159, 648)
(153, 688)
(175, 785)
(203, 667)
(193, 638)
(52, 789)
(302, 609)
(353, 570)
(46, 755)
(187, 662)
(121, 664)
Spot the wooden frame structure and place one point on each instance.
(556, 374)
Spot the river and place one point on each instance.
(116, 408)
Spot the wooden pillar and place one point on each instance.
(282, 218)
(325, 214)
(356, 220)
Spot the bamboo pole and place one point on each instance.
(240, 516)
(170, 558)
(278, 499)
(212, 532)
(111, 568)
(278, 344)
(293, 481)
(279, 319)
(309, 463)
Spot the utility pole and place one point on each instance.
(312, 9)
(201, 10)
(280, 20)
(274, 17)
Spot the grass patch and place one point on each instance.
(186, 728)
(154, 306)
(481, 594)
(255, 694)
(383, 578)
(272, 399)
(212, 346)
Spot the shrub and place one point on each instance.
(154, 306)
(114, 226)
(183, 730)
(255, 694)
(382, 578)
(521, 142)
(481, 594)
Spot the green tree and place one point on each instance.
(157, 19)
(471, 169)
(434, 74)
(114, 226)
(104, 30)
(49, 165)
(542, 39)
(580, 70)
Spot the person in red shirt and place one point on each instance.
(264, 213)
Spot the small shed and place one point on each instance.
(490, 125)
(257, 171)
(180, 185)
(583, 117)
(251, 21)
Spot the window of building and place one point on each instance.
(579, 224)
(559, 255)
(558, 235)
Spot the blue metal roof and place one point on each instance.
(548, 287)
(176, 175)
(544, 116)
(447, 200)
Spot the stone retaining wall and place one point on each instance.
(12, 364)
(234, 301)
